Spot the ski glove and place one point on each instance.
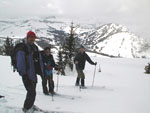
(57, 68)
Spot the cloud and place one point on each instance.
(72, 7)
(132, 13)
(29, 8)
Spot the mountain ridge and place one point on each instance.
(100, 39)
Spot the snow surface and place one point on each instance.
(121, 87)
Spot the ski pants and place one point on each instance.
(50, 81)
(80, 74)
(31, 92)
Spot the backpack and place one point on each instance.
(48, 69)
(17, 47)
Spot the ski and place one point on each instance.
(39, 110)
(35, 109)
(64, 96)
(94, 87)
(82, 87)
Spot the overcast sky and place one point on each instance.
(135, 14)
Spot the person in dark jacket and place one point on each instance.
(49, 64)
(79, 61)
(27, 68)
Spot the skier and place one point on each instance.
(49, 64)
(28, 64)
(79, 61)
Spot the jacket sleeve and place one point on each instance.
(89, 60)
(41, 63)
(76, 58)
(21, 63)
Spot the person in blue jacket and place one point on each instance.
(29, 65)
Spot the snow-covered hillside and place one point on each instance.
(121, 87)
(110, 39)
(17, 28)
(116, 40)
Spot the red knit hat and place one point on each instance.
(31, 33)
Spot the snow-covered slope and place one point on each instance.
(19, 27)
(110, 39)
(121, 87)
(116, 40)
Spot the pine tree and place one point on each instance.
(8, 46)
(60, 62)
(69, 47)
(1, 50)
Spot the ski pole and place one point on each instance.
(94, 76)
(80, 88)
(57, 82)
(99, 68)
(52, 97)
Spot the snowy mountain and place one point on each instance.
(46, 27)
(120, 87)
(116, 40)
(109, 39)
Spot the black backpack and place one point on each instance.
(17, 47)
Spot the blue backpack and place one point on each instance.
(48, 69)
